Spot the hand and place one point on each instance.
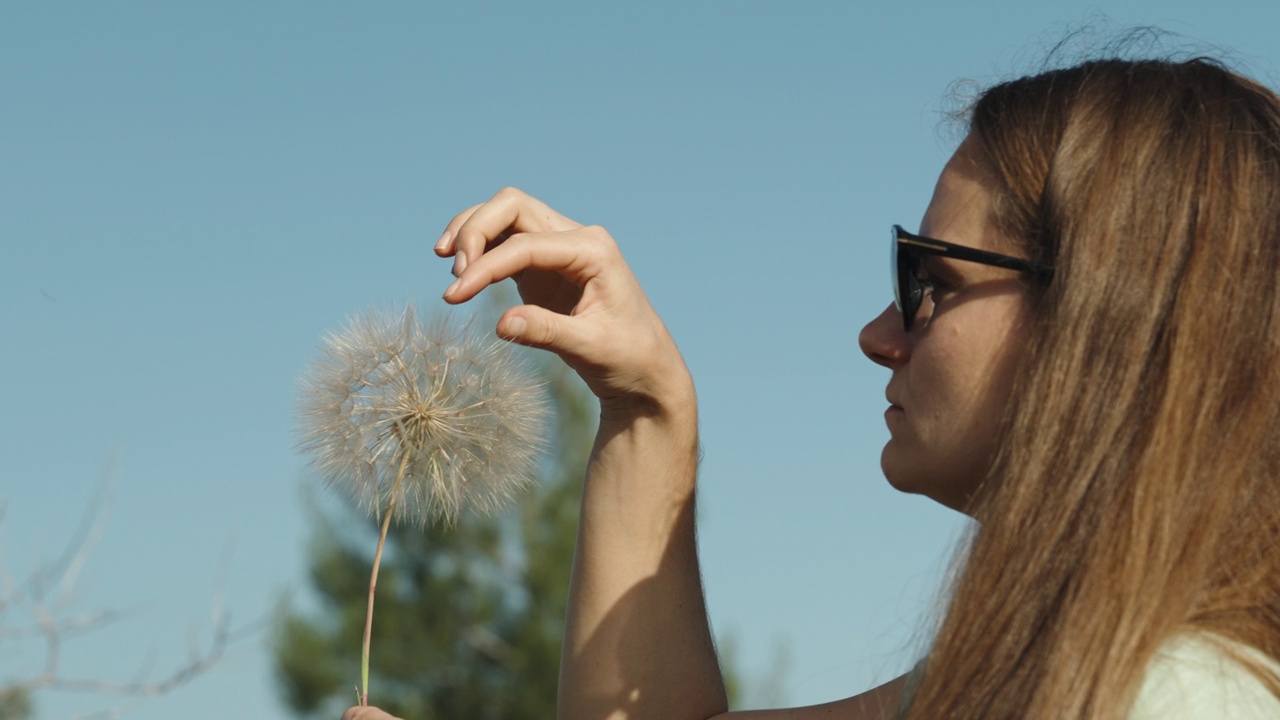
(582, 301)
(366, 713)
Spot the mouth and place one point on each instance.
(891, 397)
(894, 408)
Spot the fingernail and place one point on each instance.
(442, 242)
(452, 287)
(515, 327)
(459, 263)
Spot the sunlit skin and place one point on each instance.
(952, 374)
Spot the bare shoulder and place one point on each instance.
(880, 703)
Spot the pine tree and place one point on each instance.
(15, 704)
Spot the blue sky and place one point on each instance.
(190, 196)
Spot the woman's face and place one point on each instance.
(952, 374)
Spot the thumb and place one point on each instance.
(541, 328)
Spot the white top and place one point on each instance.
(1191, 678)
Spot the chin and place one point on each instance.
(919, 479)
(902, 475)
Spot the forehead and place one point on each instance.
(960, 211)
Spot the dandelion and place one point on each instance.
(417, 423)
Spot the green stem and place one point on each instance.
(373, 581)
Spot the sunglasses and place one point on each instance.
(907, 251)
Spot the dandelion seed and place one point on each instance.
(418, 423)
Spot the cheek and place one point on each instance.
(991, 365)
(989, 386)
(960, 380)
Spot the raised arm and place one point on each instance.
(637, 642)
(636, 637)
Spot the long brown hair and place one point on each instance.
(1136, 494)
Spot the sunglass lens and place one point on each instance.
(895, 267)
(906, 285)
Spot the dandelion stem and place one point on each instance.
(373, 579)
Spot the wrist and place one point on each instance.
(670, 401)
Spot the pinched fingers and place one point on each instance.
(578, 256)
(607, 331)
(581, 300)
(366, 713)
(508, 212)
(444, 246)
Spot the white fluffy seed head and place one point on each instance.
(455, 409)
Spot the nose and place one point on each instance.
(883, 340)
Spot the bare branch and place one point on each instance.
(54, 624)
(65, 571)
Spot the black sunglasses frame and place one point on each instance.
(906, 254)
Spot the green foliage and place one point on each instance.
(15, 704)
(469, 618)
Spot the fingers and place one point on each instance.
(509, 211)
(581, 300)
(584, 263)
(366, 713)
(444, 246)
(578, 257)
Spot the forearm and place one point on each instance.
(637, 642)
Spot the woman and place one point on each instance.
(1085, 357)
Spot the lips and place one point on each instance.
(894, 407)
